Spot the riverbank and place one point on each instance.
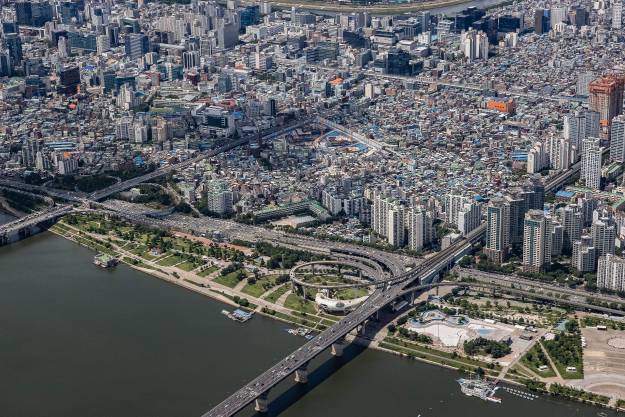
(229, 296)
(233, 295)
(95, 342)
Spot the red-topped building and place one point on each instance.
(606, 97)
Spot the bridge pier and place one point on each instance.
(261, 404)
(412, 298)
(337, 347)
(301, 374)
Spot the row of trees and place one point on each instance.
(282, 257)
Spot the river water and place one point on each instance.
(5, 218)
(80, 341)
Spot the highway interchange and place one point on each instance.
(385, 293)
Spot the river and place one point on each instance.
(5, 218)
(80, 341)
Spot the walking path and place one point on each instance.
(280, 301)
(240, 285)
(558, 378)
(269, 291)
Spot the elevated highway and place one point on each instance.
(24, 226)
(25, 223)
(297, 362)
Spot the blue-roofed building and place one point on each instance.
(565, 195)
(61, 146)
(138, 160)
(519, 155)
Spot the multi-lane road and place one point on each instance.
(536, 287)
(299, 358)
(81, 198)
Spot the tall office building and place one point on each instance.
(33, 13)
(558, 15)
(541, 21)
(578, 16)
(617, 14)
(227, 33)
(6, 68)
(69, 80)
(606, 97)
(13, 43)
(136, 45)
(617, 139)
(591, 163)
(191, 59)
(611, 273)
(497, 230)
(537, 231)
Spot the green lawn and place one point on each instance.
(273, 297)
(229, 280)
(446, 355)
(535, 358)
(351, 293)
(295, 302)
(208, 271)
(255, 290)
(187, 266)
(262, 285)
(170, 260)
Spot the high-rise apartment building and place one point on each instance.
(219, 197)
(603, 232)
(559, 150)
(583, 81)
(497, 230)
(453, 205)
(474, 45)
(584, 257)
(617, 139)
(571, 219)
(611, 273)
(606, 97)
(537, 235)
(592, 154)
(617, 14)
(469, 218)
(419, 227)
